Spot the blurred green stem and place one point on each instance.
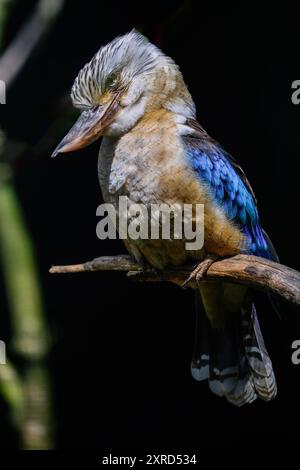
(11, 390)
(28, 396)
(30, 336)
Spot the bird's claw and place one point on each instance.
(201, 269)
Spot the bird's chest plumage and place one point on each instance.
(149, 166)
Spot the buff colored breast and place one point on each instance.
(149, 166)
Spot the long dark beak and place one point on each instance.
(89, 127)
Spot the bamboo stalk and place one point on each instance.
(30, 333)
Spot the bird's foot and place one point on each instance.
(201, 269)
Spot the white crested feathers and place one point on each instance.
(127, 57)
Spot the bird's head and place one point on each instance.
(124, 80)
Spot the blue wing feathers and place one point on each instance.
(230, 188)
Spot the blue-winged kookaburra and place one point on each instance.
(154, 151)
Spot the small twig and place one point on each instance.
(29, 36)
(104, 263)
(256, 272)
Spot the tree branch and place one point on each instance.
(253, 271)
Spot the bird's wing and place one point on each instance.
(228, 185)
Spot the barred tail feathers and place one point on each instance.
(233, 359)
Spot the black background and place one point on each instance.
(121, 355)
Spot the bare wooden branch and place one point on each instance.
(104, 263)
(258, 273)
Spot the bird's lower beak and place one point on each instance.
(88, 127)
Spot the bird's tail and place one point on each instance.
(233, 359)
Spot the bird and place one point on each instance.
(153, 150)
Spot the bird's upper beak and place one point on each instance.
(89, 127)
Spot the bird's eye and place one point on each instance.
(111, 81)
